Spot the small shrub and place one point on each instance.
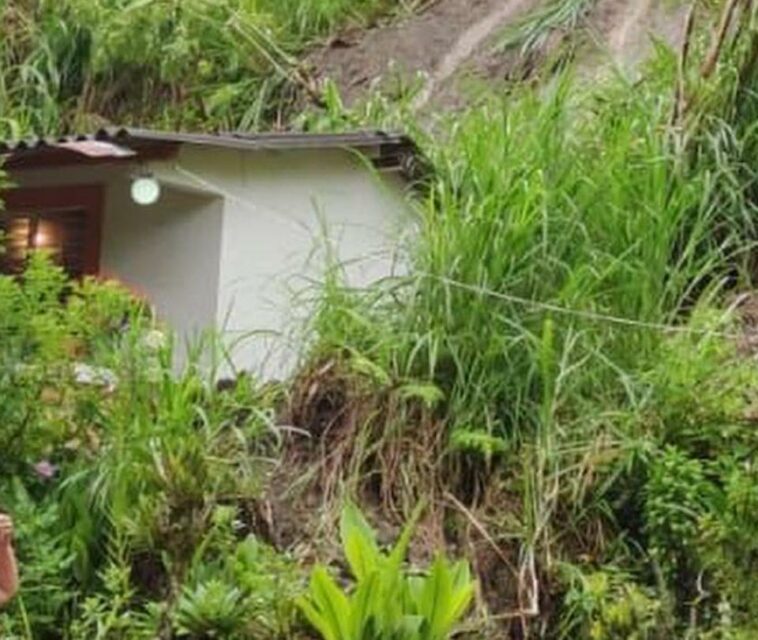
(606, 603)
(388, 602)
(678, 495)
(125, 477)
(213, 609)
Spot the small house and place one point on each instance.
(216, 231)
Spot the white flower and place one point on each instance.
(154, 340)
(97, 376)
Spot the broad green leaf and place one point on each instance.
(400, 550)
(359, 543)
(317, 621)
(444, 597)
(332, 605)
(361, 610)
(436, 596)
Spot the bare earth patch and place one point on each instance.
(451, 45)
(625, 30)
(422, 43)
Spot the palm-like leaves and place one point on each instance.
(387, 603)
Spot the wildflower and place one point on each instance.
(99, 376)
(44, 469)
(154, 340)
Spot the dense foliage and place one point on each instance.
(575, 304)
(135, 485)
(566, 379)
(197, 64)
(127, 481)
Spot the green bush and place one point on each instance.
(127, 478)
(608, 604)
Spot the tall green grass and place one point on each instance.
(549, 207)
(575, 252)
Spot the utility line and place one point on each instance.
(593, 316)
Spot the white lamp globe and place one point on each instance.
(145, 190)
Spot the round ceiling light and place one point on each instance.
(146, 190)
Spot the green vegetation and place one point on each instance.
(126, 480)
(566, 379)
(568, 304)
(386, 604)
(531, 32)
(135, 488)
(193, 64)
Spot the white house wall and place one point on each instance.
(237, 239)
(279, 209)
(168, 252)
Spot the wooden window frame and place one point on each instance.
(88, 199)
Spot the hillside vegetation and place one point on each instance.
(546, 430)
(196, 64)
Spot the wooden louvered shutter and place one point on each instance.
(16, 231)
(64, 221)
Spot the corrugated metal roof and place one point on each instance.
(387, 149)
(275, 140)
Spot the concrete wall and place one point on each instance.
(237, 239)
(281, 210)
(168, 252)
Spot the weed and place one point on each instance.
(532, 32)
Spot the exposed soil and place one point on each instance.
(624, 31)
(358, 60)
(450, 45)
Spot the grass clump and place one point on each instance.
(531, 33)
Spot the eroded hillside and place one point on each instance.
(452, 48)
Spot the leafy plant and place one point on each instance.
(112, 613)
(212, 609)
(45, 561)
(608, 604)
(531, 32)
(387, 602)
(115, 467)
(200, 64)
(237, 588)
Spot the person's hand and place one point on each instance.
(6, 530)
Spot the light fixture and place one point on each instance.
(145, 189)
(40, 239)
(46, 235)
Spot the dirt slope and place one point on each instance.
(451, 44)
(358, 60)
(626, 29)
